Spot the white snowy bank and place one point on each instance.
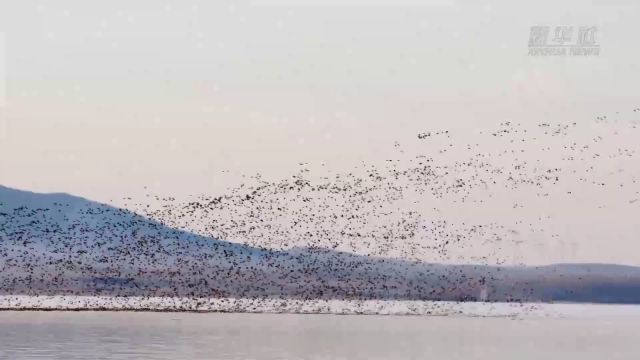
(343, 307)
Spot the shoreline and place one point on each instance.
(333, 307)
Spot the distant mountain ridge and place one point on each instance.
(63, 244)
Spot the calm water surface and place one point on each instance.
(123, 335)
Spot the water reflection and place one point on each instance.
(108, 335)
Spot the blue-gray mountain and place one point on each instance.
(62, 244)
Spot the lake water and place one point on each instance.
(137, 335)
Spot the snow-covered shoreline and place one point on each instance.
(295, 306)
(345, 307)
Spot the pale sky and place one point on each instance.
(105, 98)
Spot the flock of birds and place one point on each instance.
(405, 207)
(383, 230)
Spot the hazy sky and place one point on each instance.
(104, 98)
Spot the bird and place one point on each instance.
(371, 232)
